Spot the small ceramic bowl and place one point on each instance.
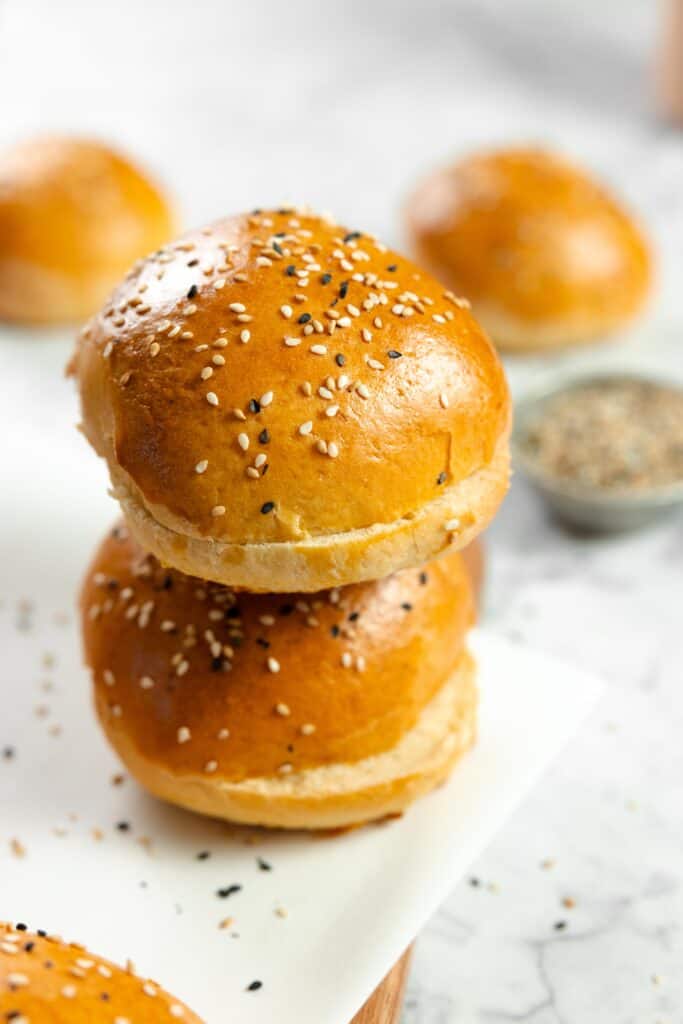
(590, 508)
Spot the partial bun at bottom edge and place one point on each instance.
(337, 795)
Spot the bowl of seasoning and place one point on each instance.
(606, 451)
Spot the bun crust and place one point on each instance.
(43, 979)
(546, 255)
(195, 386)
(74, 216)
(211, 694)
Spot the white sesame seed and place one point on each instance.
(332, 450)
(443, 400)
(342, 381)
(307, 388)
(154, 348)
(267, 620)
(244, 318)
(307, 729)
(218, 510)
(292, 342)
(321, 446)
(360, 663)
(201, 466)
(212, 398)
(207, 372)
(286, 311)
(146, 683)
(283, 709)
(108, 677)
(69, 991)
(239, 415)
(210, 766)
(183, 735)
(452, 524)
(243, 441)
(176, 1010)
(149, 989)
(363, 390)
(245, 335)
(252, 473)
(237, 307)
(306, 427)
(266, 400)
(375, 364)
(218, 360)
(437, 318)
(16, 980)
(332, 410)
(347, 659)
(223, 734)
(273, 665)
(107, 350)
(325, 393)
(182, 668)
(260, 459)
(263, 261)
(285, 769)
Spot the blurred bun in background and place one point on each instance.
(545, 254)
(74, 216)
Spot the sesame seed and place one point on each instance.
(146, 683)
(267, 507)
(285, 769)
(218, 360)
(154, 348)
(307, 388)
(260, 459)
(252, 473)
(346, 659)
(321, 446)
(366, 335)
(318, 350)
(443, 400)
(211, 766)
(212, 398)
(325, 392)
(108, 677)
(243, 441)
(206, 372)
(183, 735)
(283, 710)
(218, 510)
(332, 410)
(265, 400)
(332, 450)
(239, 415)
(307, 729)
(286, 311)
(375, 364)
(237, 307)
(273, 665)
(223, 734)
(292, 342)
(69, 991)
(306, 427)
(245, 335)
(452, 524)
(363, 390)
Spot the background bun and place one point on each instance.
(74, 216)
(44, 980)
(546, 255)
(287, 405)
(297, 711)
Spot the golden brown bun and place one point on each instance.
(545, 254)
(44, 980)
(418, 438)
(74, 216)
(317, 693)
(474, 558)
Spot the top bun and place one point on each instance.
(74, 216)
(43, 979)
(285, 405)
(545, 254)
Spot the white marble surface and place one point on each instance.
(342, 105)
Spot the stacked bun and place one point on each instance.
(295, 421)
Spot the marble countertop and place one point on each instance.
(574, 914)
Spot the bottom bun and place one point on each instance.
(333, 795)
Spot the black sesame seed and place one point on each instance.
(326, 278)
(441, 478)
(339, 359)
(8, 753)
(123, 826)
(21, 927)
(256, 211)
(394, 354)
(354, 616)
(262, 642)
(264, 437)
(406, 606)
(286, 609)
(304, 318)
(352, 236)
(203, 855)
(192, 292)
(267, 507)
(278, 248)
(193, 263)
(281, 234)
(233, 613)
(266, 467)
(392, 268)
(559, 926)
(254, 986)
(423, 578)
(168, 583)
(216, 664)
(42, 933)
(29, 946)
(343, 289)
(290, 271)
(263, 864)
(254, 406)
(475, 883)
(335, 630)
(229, 890)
